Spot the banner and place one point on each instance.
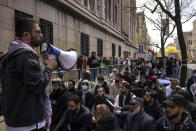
(141, 48)
(165, 26)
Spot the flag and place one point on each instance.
(153, 57)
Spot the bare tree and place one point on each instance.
(158, 24)
(179, 11)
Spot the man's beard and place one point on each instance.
(137, 110)
(74, 111)
(57, 91)
(147, 102)
(173, 116)
(35, 43)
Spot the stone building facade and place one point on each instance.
(194, 41)
(105, 26)
(143, 39)
(188, 41)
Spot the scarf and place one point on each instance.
(183, 126)
(19, 41)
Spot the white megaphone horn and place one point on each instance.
(66, 59)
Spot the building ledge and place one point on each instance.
(91, 16)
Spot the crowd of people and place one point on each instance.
(132, 99)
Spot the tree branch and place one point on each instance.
(154, 9)
(170, 33)
(166, 11)
(189, 18)
(156, 24)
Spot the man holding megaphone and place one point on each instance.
(24, 81)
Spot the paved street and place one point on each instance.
(2, 124)
(192, 66)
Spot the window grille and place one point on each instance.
(84, 44)
(99, 47)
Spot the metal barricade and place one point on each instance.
(76, 74)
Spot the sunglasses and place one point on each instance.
(133, 104)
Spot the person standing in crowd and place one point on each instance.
(175, 67)
(79, 65)
(138, 119)
(151, 105)
(76, 118)
(93, 63)
(24, 81)
(169, 68)
(178, 119)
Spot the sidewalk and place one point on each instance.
(2, 124)
(192, 66)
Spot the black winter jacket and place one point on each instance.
(128, 98)
(154, 110)
(143, 122)
(23, 83)
(78, 122)
(98, 100)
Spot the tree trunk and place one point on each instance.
(162, 47)
(183, 74)
(162, 42)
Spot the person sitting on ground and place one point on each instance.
(103, 98)
(138, 91)
(77, 117)
(112, 76)
(121, 105)
(177, 118)
(115, 86)
(142, 82)
(138, 119)
(86, 76)
(191, 107)
(151, 105)
(102, 83)
(173, 87)
(71, 87)
(154, 86)
(57, 101)
(86, 95)
(191, 86)
(105, 120)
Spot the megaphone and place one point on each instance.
(65, 59)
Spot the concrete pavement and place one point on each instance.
(2, 124)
